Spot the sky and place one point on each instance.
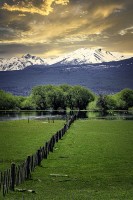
(48, 28)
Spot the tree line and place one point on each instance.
(48, 97)
(122, 100)
(65, 96)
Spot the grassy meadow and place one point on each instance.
(18, 139)
(94, 160)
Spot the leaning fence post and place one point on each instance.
(13, 167)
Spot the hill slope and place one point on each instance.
(101, 78)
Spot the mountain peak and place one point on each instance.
(15, 63)
(87, 56)
(27, 56)
(82, 56)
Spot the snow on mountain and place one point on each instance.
(87, 56)
(78, 57)
(15, 63)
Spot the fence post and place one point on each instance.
(13, 167)
(51, 144)
(32, 163)
(57, 136)
(39, 157)
(28, 168)
(45, 151)
(1, 180)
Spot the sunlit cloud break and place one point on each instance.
(126, 30)
(44, 9)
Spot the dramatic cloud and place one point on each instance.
(53, 27)
(44, 7)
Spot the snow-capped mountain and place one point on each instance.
(15, 63)
(87, 56)
(78, 57)
(105, 78)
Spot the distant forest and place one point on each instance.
(64, 97)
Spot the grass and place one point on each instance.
(18, 139)
(94, 161)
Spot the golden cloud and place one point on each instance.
(53, 53)
(105, 11)
(71, 31)
(45, 9)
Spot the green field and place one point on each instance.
(18, 139)
(93, 161)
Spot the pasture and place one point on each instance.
(94, 160)
(18, 138)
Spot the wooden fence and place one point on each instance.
(17, 174)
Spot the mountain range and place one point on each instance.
(81, 56)
(101, 78)
(101, 71)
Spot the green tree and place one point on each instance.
(55, 98)
(102, 102)
(38, 96)
(19, 100)
(111, 103)
(66, 89)
(126, 95)
(120, 104)
(62, 96)
(7, 101)
(27, 104)
(79, 97)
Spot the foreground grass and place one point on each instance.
(18, 139)
(93, 161)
